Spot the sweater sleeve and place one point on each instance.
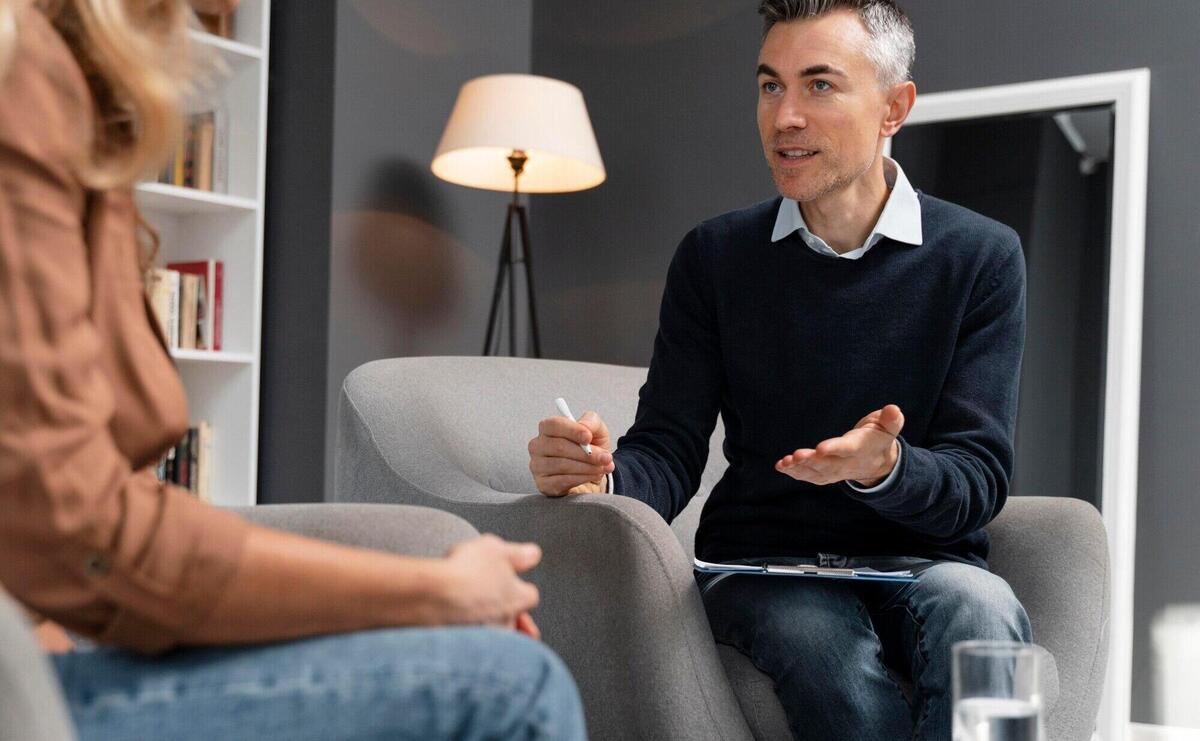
(958, 481)
(661, 458)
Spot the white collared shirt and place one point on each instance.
(900, 220)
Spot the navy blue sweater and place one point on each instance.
(793, 347)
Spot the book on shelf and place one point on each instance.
(205, 133)
(183, 458)
(218, 24)
(204, 463)
(188, 464)
(201, 158)
(219, 162)
(187, 299)
(208, 301)
(189, 293)
(162, 287)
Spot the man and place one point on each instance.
(851, 294)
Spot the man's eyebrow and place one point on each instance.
(822, 69)
(816, 69)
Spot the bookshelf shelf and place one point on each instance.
(178, 200)
(208, 356)
(234, 51)
(226, 226)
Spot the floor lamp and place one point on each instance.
(518, 134)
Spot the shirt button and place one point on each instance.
(96, 565)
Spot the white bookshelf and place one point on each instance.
(223, 386)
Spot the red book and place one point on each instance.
(208, 314)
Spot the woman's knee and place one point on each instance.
(543, 685)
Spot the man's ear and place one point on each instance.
(901, 99)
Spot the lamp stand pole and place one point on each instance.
(504, 273)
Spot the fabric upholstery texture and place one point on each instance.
(409, 531)
(619, 603)
(31, 703)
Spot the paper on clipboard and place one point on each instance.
(861, 574)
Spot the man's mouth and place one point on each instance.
(796, 154)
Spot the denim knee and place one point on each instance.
(554, 707)
(971, 603)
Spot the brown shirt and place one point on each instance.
(89, 398)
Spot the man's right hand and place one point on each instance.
(481, 584)
(558, 463)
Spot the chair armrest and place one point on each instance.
(409, 531)
(31, 702)
(619, 604)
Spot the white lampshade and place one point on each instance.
(545, 118)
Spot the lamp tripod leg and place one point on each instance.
(512, 291)
(523, 222)
(504, 269)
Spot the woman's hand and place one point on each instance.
(479, 583)
(52, 638)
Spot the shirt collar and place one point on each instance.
(900, 220)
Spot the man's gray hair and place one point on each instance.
(892, 47)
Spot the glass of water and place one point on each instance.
(998, 691)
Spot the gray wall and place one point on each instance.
(671, 93)
(670, 89)
(291, 445)
(412, 257)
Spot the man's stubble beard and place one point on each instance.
(828, 180)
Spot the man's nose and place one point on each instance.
(790, 115)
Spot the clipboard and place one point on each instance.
(809, 570)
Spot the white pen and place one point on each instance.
(565, 411)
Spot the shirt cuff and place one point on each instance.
(891, 477)
(608, 484)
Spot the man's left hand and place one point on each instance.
(864, 455)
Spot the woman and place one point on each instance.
(90, 95)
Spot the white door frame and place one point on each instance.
(1129, 94)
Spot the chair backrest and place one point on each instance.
(31, 704)
(472, 417)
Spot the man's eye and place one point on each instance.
(770, 87)
(817, 85)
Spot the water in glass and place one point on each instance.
(995, 719)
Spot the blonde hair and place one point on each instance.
(139, 63)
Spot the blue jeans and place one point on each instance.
(831, 645)
(402, 683)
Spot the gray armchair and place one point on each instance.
(619, 603)
(31, 704)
